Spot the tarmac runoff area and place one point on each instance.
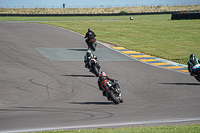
(106, 54)
(152, 60)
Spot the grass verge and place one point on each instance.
(194, 128)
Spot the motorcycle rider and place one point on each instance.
(103, 79)
(90, 35)
(193, 64)
(88, 57)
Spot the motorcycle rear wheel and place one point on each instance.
(93, 47)
(95, 70)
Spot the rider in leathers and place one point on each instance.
(103, 79)
(89, 35)
(193, 63)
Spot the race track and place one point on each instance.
(45, 86)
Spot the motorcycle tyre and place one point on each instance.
(93, 47)
(121, 100)
(95, 70)
(198, 77)
(111, 95)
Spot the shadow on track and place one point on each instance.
(96, 103)
(181, 83)
(78, 49)
(40, 109)
(79, 75)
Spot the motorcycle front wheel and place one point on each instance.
(113, 96)
(198, 77)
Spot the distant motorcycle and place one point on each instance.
(113, 92)
(92, 44)
(94, 66)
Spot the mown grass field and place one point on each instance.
(68, 18)
(156, 35)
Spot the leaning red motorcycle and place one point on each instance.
(114, 93)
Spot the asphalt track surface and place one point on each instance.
(42, 89)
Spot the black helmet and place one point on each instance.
(192, 57)
(89, 30)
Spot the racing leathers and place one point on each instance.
(87, 59)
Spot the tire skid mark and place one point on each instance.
(91, 114)
(29, 66)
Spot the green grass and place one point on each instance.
(195, 128)
(156, 35)
(17, 18)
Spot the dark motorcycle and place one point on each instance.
(113, 92)
(197, 73)
(94, 66)
(92, 44)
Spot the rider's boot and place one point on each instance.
(86, 65)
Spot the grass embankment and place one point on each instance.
(135, 9)
(155, 35)
(71, 18)
(195, 128)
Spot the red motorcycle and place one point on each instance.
(114, 93)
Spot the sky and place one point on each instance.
(90, 3)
